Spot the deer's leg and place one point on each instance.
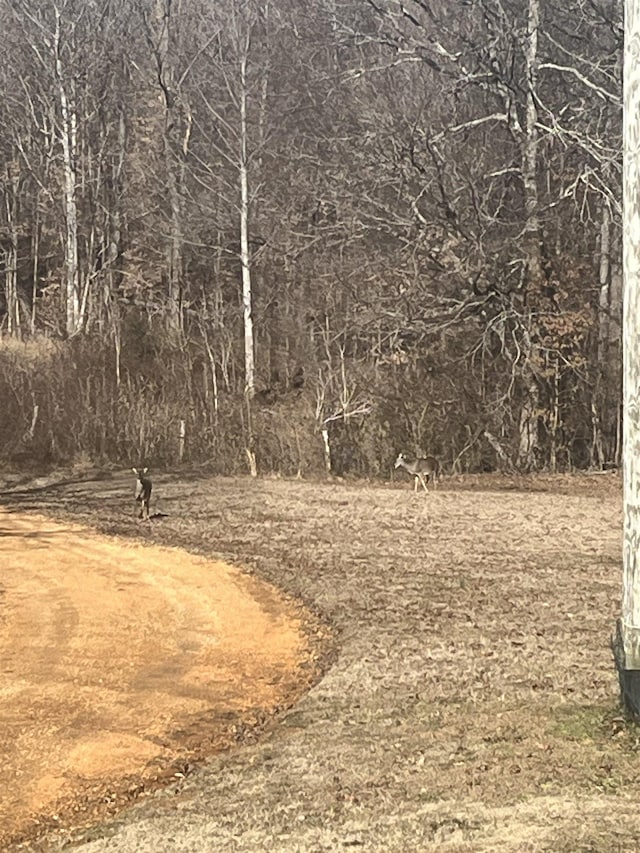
(422, 480)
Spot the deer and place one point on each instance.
(423, 469)
(143, 491)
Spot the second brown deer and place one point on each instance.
(423, 470)
(143, 491)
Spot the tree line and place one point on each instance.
(297, 238)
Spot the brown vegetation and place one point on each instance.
(472, 702)
(311, 235)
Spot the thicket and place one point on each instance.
(299, 238)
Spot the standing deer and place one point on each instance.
(422, 469)
(143, 491)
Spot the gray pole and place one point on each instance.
(627, 642)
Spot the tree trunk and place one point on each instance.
(600, 401)
(11, 252)
(68, 133)
(175, 243)
(175, 141)
(554, 415)
(245, 256)
(326, 446)
(529, 433)
(605, 280)
(627, 642)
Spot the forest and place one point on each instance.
(296, 238)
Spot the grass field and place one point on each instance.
(466, 699)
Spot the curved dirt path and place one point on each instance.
(119, 661)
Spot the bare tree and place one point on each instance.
(9, 192)
(64, 95)
(166, 32)
(208, 188)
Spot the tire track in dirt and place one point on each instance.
(118, 660)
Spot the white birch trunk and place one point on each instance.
(530, 153)
(628, 643)
(245, 256)
(69, 152)
(327, 450)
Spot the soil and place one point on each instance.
(120, 663)
(468, 699)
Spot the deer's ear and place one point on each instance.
(135, 470)
(144, 470)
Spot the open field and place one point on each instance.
(469, 699)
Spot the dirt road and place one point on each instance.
(120, 662)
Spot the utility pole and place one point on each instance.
(626, 644)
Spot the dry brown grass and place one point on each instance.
(469, 701)
(30, 351)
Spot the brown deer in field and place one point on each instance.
(143, 491)
(422, 469)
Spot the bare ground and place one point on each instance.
(120, 663)
(469, 699)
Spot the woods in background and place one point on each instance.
(293, 238)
